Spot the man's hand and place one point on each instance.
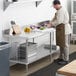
(49, 25)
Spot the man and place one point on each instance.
(63, 31)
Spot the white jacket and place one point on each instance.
(62, 17)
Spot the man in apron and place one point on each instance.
(63, 31)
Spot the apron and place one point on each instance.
(60, 35)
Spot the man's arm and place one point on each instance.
(59, 19)
(53, 22)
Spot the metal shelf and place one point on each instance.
(7, 3)
(41, 53)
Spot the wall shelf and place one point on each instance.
(6, 3)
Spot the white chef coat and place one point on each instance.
(62, 17)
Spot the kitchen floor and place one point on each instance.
(20, 70)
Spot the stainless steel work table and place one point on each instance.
(41, 51)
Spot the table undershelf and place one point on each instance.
(41, 52)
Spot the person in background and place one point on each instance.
(61, 22)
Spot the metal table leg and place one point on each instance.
(27, 68)
(50, 47)
(27, 65)
(33, 40)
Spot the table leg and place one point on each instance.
(50, 47)
(27, 57)
(27, 70)
(33, 40)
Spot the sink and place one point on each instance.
(4, 45)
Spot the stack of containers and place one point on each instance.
(27, 50)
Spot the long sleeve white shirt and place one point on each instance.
(62, 17)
